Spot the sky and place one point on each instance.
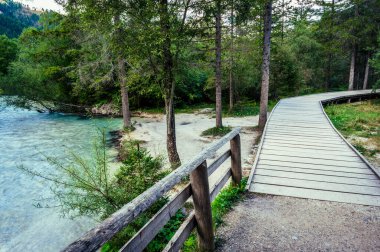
(39, 4)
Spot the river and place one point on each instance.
(26, 137)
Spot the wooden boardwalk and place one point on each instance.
(301, 154)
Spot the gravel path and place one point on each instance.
(276, 223)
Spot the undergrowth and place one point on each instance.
(360, 123)
(217, 131)
(222, 204)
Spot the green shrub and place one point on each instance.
(217, 131)
(87, 187)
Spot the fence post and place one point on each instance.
(202, 206)
(236, 160)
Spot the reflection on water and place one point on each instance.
(25, 137)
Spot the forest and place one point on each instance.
(172, 54)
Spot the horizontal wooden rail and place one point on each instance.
(182, 234)
(350, 98)
(99, 235)
(151, 229)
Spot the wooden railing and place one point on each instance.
(198, 189)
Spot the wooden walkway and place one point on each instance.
(301, 154)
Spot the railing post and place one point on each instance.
(202, 206)
(236, 160)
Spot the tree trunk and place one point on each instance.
(124, 93)
(282, 21)
(265, 67)
(218, 63)
(352, 69)
(232, 59)
(122, 77)
(365, 82)
(168, 85)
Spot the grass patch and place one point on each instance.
(225, 200)
(360, 123)
(217, 131)
(246, 108)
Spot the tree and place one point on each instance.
(231, 82)
(41, 71)
(366, 72)
(168, 84)
(8, 53)
(105, 20)
(354, 50)
(265, 65)
(218, 63)
(122, 72)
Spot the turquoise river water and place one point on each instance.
(25, 138)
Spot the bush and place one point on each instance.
(217, 131)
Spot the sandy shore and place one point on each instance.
(152, 131)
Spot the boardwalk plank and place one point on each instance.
(315, 194)
(315, 166)
(315, 160)
(340, 173)
(289, 153)
(325, 186)
(311, 151)
(308, 146)
(318, 177)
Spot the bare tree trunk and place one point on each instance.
(232, 59)
(352, 69)
(351, 80)
(122, 78)
(365, 82)
(168, 85)
(218, 63)
(330, 54)
(265, 67)
(282, 21)
(124, 93)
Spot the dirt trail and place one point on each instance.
(276, 223)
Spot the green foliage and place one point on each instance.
(73, 58)
(285, 72)
(87, 187)
(166, 233)
(225, 200)
(139, 170)
(45, 56)
(217, 131)
(8, 53)
(246, 108)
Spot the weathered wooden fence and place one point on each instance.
(198, 189)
